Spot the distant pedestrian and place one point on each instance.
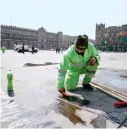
(32, 49)
(23, 49)
(56, 50)
(15, 47)
(3, 49)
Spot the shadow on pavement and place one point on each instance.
(33, 65)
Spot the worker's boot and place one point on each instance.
(87, 87)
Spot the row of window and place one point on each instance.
(18, 31)
(18, 38)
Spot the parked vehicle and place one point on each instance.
(27, 48)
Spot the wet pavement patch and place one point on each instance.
(33, 65)
(69, 110)
(104, 103)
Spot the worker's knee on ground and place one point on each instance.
(86, 80)
(92, 68)
(70, 86)
(71, 80)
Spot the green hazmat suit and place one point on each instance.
(73, 65)
(3, 49)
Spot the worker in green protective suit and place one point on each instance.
(80, 58)
(3, 49)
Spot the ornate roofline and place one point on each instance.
(20, 28)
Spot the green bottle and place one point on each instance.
(10, 83)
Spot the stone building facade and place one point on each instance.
(11, 35)
(39, 38)
(110, 38)
(68, 40)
